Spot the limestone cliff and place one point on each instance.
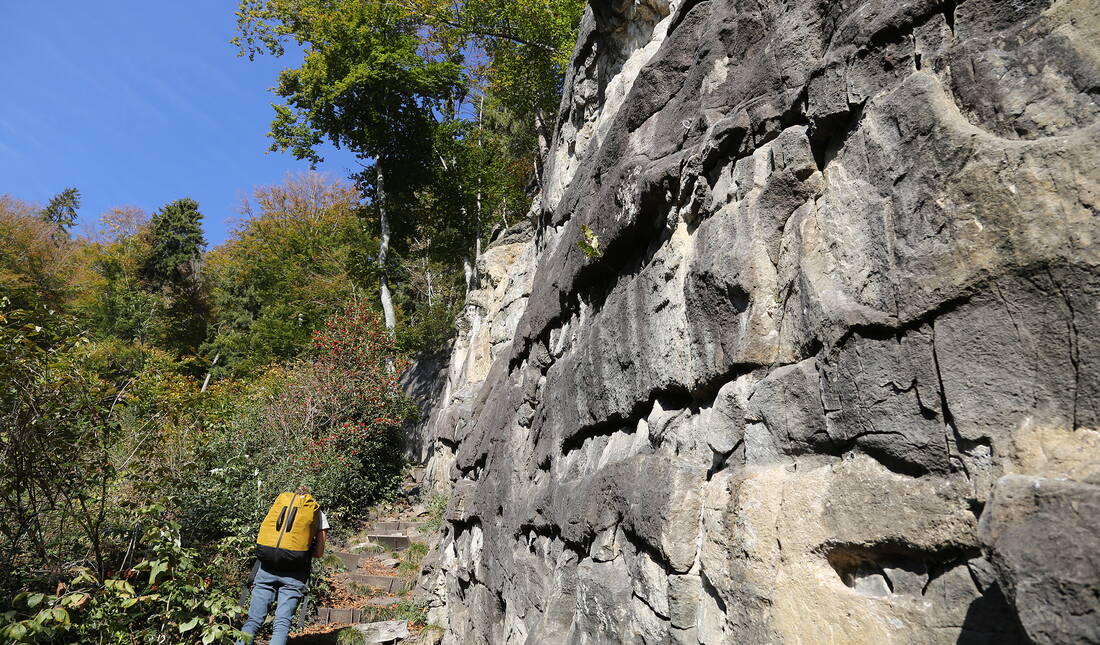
(833, 377)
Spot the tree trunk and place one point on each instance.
(471, 268)
(468, 271)
(383, 251)
(206, 381)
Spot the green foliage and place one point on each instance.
(437, 508)
(55, 466)
(168, 596)
(114, 302)
(293, 261)
(176, 242)
(428, 327)
(410, 563)
(142, 281)
(416, 612)
(60, 212)
(529, 43)
(350, 636)
(363, 84)
(171, 270)
(91, 426)
(36, 268)
(351, 401)
(589, 243)
(332, 421)
(446, 103)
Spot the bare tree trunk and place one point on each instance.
(428, 278)
(468, 271)
(471, 268)
(477, 223)
(383, 251)
(206, 381)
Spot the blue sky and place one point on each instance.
(138, 103)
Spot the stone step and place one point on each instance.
(327, 614)
(383, 632)
(391, 541)
(350, 560)
(351, 616)
(394, 526)
(387, 584)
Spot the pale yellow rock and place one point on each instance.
(773, 527)
(1056, 452)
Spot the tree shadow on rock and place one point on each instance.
(991, 620)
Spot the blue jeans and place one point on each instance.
(288, 590)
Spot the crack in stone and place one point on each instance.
(1074, 346)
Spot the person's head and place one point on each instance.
(302, 490)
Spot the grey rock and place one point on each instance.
(423, 381)
(849, 280)
(1043, 538)
(872, 584)
(383, 632)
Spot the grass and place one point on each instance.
(350, 636)
(414, 612)
(437, 506)
(362, 589)
(333, 563)
(414, 555)
(370, 548)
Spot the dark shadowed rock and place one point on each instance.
(1043, 538)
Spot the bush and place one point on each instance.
(92, 429)
(167, 597)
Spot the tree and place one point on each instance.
(363, 85)
(121, 223)
(301, 251)
(112, 300)
(61, 212)
(171, 270)
(527, 43)
(445, 104)
(36, 267)
(176, 246)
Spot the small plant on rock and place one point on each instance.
(589, 242)
(437, 508)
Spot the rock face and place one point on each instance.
(1042, 534)
(844, 318)
(423, 381)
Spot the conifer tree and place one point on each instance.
(60, 212)
(176, 246)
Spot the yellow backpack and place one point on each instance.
(286, 534)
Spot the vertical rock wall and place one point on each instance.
(833, 377)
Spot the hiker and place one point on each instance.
(292, 533)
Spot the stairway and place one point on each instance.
(372, 577)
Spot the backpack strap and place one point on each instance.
(249, 582)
